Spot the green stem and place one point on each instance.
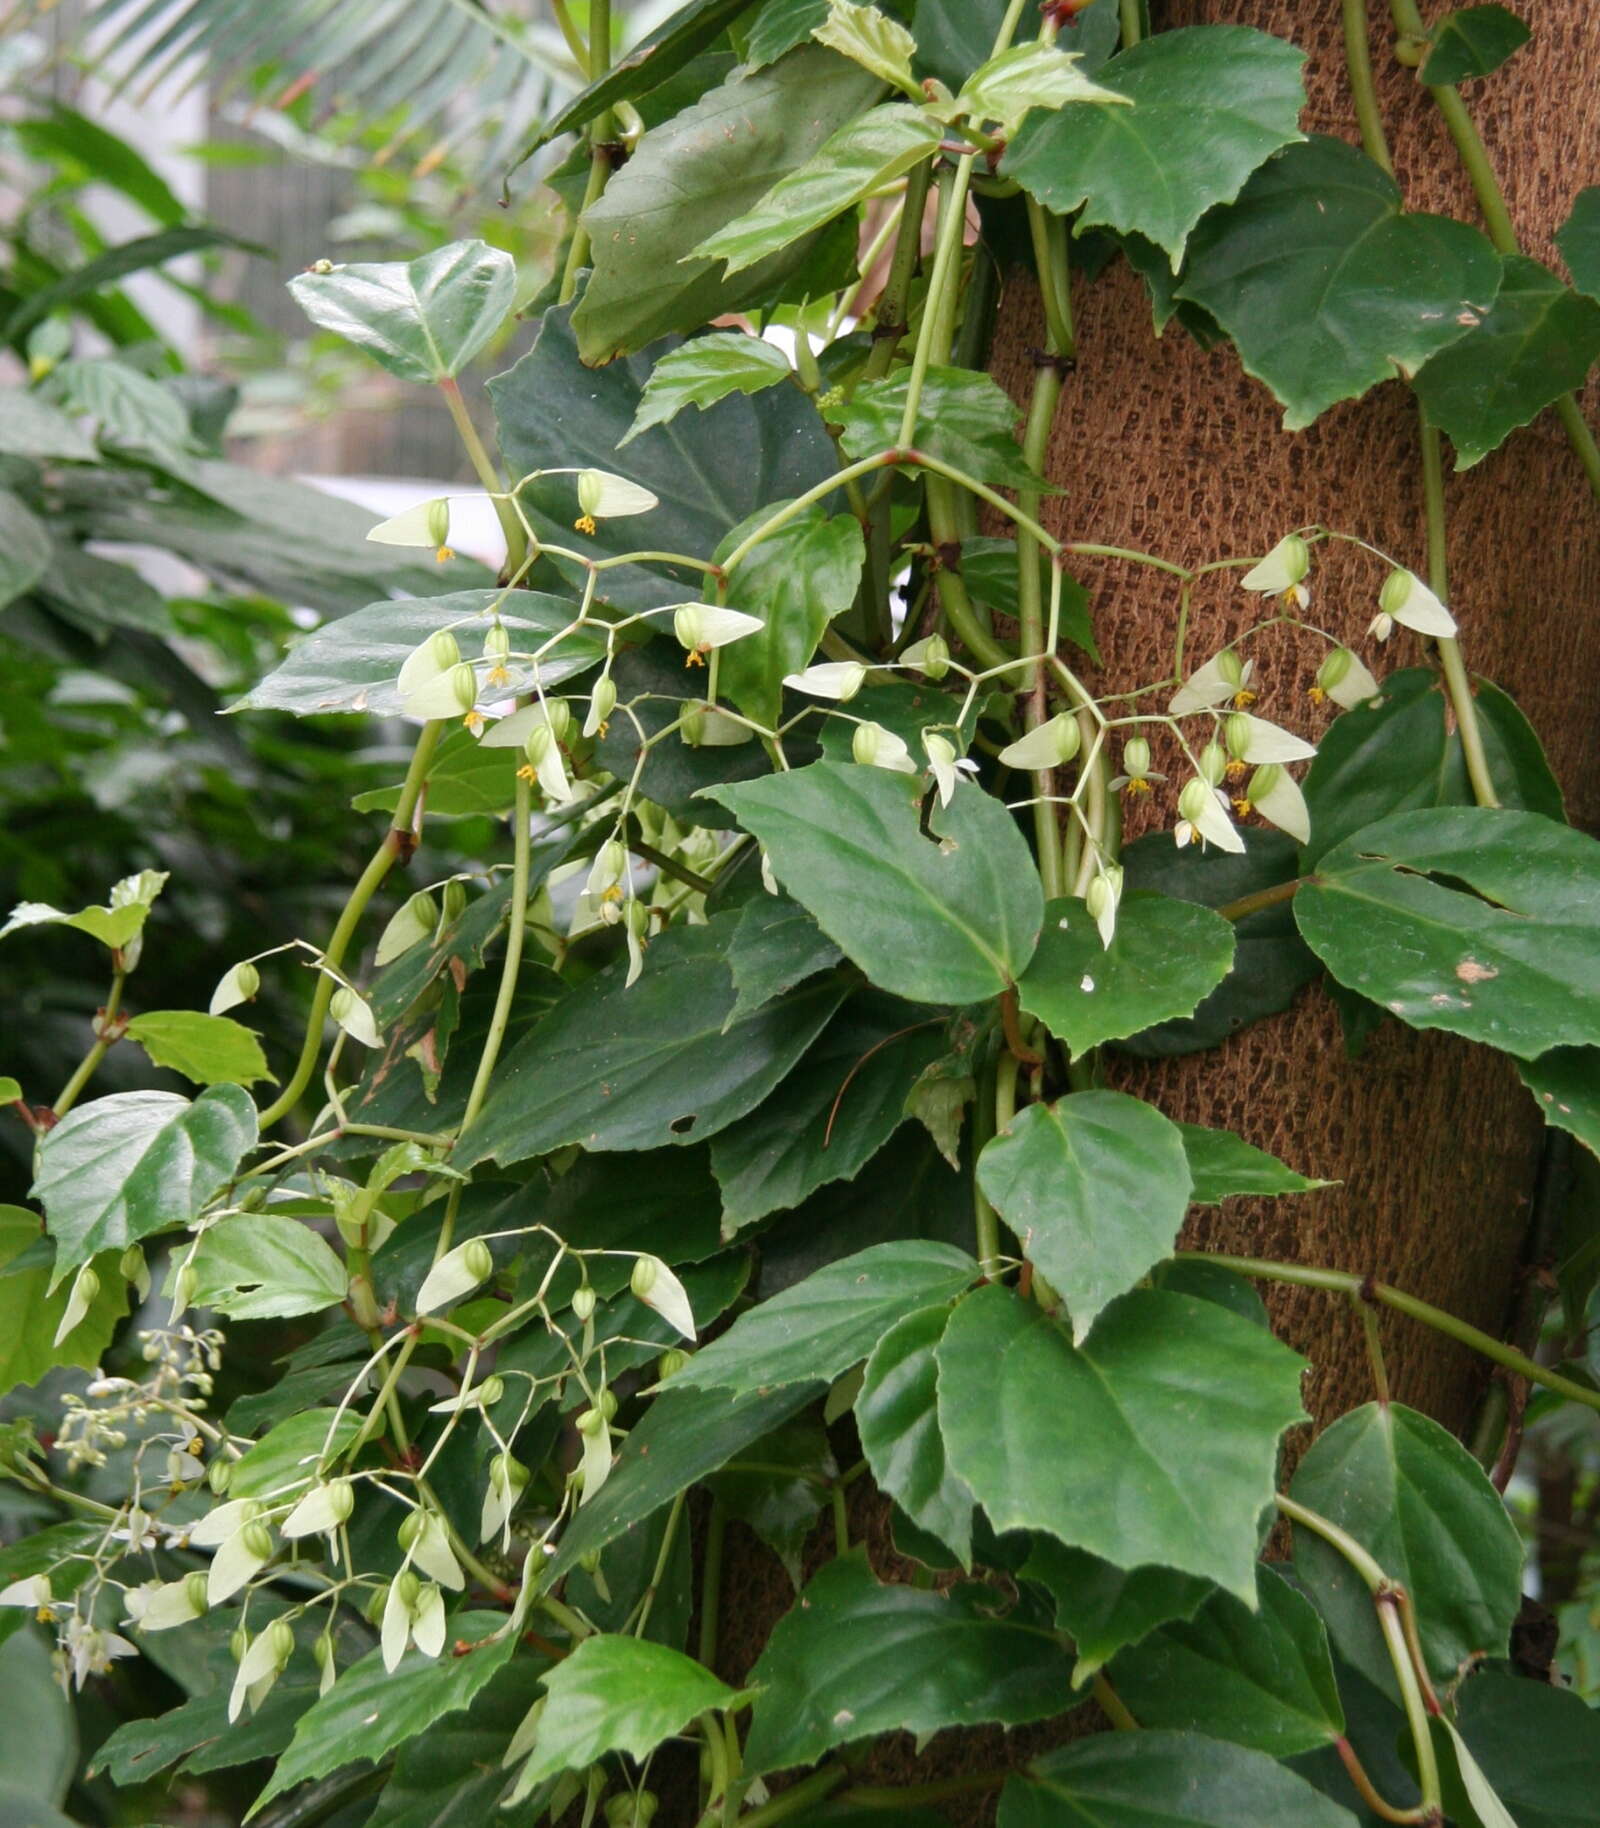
(1344, 1282)
(890, 316)
(1112, 1705)
(397, 843)
(1358, 61)
(483, 468)
(516, 930)
(906, 1796)
(598, 135)
(1132, 12)
(1394, 1638)
(986, 1221)
(953, 185)
(67, 1097)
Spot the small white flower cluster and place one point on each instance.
(178, 1386)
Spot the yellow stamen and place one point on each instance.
(444, 552)
(1141, 785)
(695, 657)
(498, 675)
(585, 523)
(526, 773)
(1243, 808)
(1243, 697)
(1236, 770)
(1316, 694)
(474, 722)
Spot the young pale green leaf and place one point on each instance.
(964, 419)
(127, 909)
(687, 180)
(1259, 1676)
(1028, 76)
(1578, 240)
(423, 320)
(1017, 1401)
(796, 582)
(1473, 42)
(210, 1050)
(1326, 285)
(897, 1419)
(287, 1457)
(1165, 957)
(1566, 1082)
(353, 664)
(30, 1315)
(1095, 1186)
(704, 371)
(369, 1710)
(1164, 1780)
(10, 1089)
(618, 1694)
(121, 1168)
(1105, 1607)
(1419, 1503)
(33, 428)
(1210, 104)
(1512, 958)
(948, 919)
(775, 945)
(1502, 1717)
(1537, 343)
(1223, 1165)
(856, 1658)
(676, 1068)
(24, 547)
(870, 38)
(257, 1267)
(831, 1321)
(860, 158)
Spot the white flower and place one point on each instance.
(458, 1272)
(32, 1591)
(507, 1480)
(946, 766)
(1221, 678)
(426, 1541)
(1050, 744)
(544, 764)
(1280, 572)
(429, 661)
(658, 1288)
(237, 986)
(85, 1288)
(237, 1561)
(412, 1614)
(836, 679)
(595, 1466)
(1203, 816)
(160, 1605)
(264, 1660)
(1344, 678)
(930, 656)
(874, 747)
(427, 524)
(91, 1651)
(602, 495)
(700, 627)
(1276, 795)
(1407, 600)
(1258, 741)
(321, 1510)
(353, 1013)
(1102, 899)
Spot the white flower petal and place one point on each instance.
(232, 1567)
(412, 528)
(1208, 687)
(1357, 686)
(1268, 743)
(395, 1632)
(1283, 567)
(428, 1622)
(432, 1553)
(604, 495)
(1284, 805)
(836, 679)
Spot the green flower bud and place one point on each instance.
(644, 1276)
(439, 522)
(541, 739)
(583, 1302)
(490, 1391)
(1334, 668)
(558, 715)
(589, 1561)
(86, 1285)
(423, 909)
(409, 1588)
(671, 1362)
(692, 725)
(1263, 781)
(322, 1652)
(464, 686)
(506, 1470)
(497, 642)
(645, 1804)
(590, 1422)
(637, 916)
(688, 624)
(1228, 664)
(453, 901)
(602, 702)
(257, 1538)
(1213, 763)
(219, 1474)
(1236, 733)
(194, 1590)
(1136, 758)
(1396, 590)
(372, 1612)
(608, 1404)
(479, 1259)
(280, 1636)
(932, 657)
(238, 1643)
(1193, 800)
(411, 1526)
(443, 650)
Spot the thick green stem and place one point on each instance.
(599, 137)
(1358, 61)
(104, 1040)
(894, 298)
(397, 844)
(1132, 12)
(483, 468)
(936, 313)
(1394, 1637)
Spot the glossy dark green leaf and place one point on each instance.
(30, 1315)
(833, 1113)
(1395, 913)
(1566, 1083)
(1419, 1503)
(1270, 962)
(257, 1267)
(1260, 1677)
(1473, 42)
(199, 1730)
(831, 1321)
(666, 1063)
(38, 1728)
(1210, 103)
(1537, 343)
(1578, 240)
(353, 664)
(963, 418)
(1095, 1187)
(24, 548)
(1327, 286)
(1223, 1165)
(121, 1168)
(778, 1487)
(690, 177)
(709, 470)
(1163, 1780)
(705, 370)
(453, 1769)
(855, 1658)
(685, 1434)
(423, 320)
(1537, 1743)
(774, 946)
(780, 26)
(948, 919)
(1017, 1401)
(1106, 1607)
(897, 1418)
(1401, 750)
(369, 1711)
(796, 581)
(209, 1050)
(1165, 957)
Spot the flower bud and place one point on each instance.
(1055, 741)
(464, 686)
(194, 1588)
(458, 1272)
(257, 1540)
(238, 1643)
(1136, 758)
(558, 715)
(323, 1509)
(583, 1301)
(219, 1475)
(602, 702)
(444, 651)
(408, 1588)
(1192, 801)
(541, 739)
(452, 902)
(490, 1391)
(439, 522)
(606, 871)
(377, 1600)
(692, 725)
(239, 985)
(322, 1652)
(508, 1471)
(1213, 765)
(643, 1279)
(280, 1636)
(658, 1288)
(1397, 587)
(930, 656)
(1335, 665)
(354, 1015)
(1236, 734)
(590, 1422)
(497, 642)
(671, 1362)
(839, 680)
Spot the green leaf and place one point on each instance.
(779, 26)
(1327, 286)
(465, 778)
(951, 919)
(369, 1711)
(1578, 240)
(1519, 969)
(10, 1090)
(1165, 957)
(670, 1066)
(1105, 1607)
(775, 945)
(1537, 343)
(870, 38)
(833, 1113)
(423, 320)
(117, 262)
(210, 1050)
(121, 1168)
(199, 1735)
(861, 157)
(1401, 750)
(689, 178)
(1163, 1780)
(779, 1486)
(353, 664)
(990, 569)
(38, 1732)
(129, 409)
(288, 1454)
(1503, 1718)
(618, 1694)
(452, 1772)
(1470, 1796)
(1095, 1186)
(685, 1434)
(1259, 1676)
(831, 1321)
(856, 1658)
(1210, 104)
(33, 428)
(1566, 1082)
(126, 910)
(1018, 1401)
(30, 1314)
(1473, 42)
(963, 418)
(1412, 1496)
(796, 581)
(704, 371)
(1223, 1165)
(1025, 77)
(257, 1267)
(24, 549)
(897, 1419)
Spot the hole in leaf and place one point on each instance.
(681, 1126)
